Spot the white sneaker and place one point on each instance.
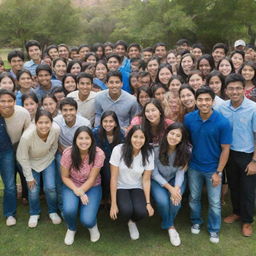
(55, 218)
(134, 232)
(94, 233)
(10, 221)
(174, 237)
(33, 221)
(214, 237)
(195, 229)
(69, 237)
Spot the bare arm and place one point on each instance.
(113, 188)
(146, 182)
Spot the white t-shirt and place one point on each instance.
(130, 178)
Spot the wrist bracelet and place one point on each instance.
(148, 203)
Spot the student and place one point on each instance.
(195, 79)
(52, 51)
(164, 74)
(216, 81)
(108, 48)
(60, 69)
(35, 154)
(31, 103)
(16, 60)
(117, 100)
(210, 135)
(206, 64)
(187, 63)
(7, 82)
(80, 168)
(241, 167)
(197, 50)
(134, 51)
(160, 51)
(50, 104)
(131, 165)
(144, 79)
(98, 48)
(34, 52)
(63, 51)
(84, 96)
(174, 84)
(168, 181)
(237, 58)
(219, 51)
(152, 67)
(225, 66)
(69, 83)
(101, 71)
(158, 91)
(83, 49)
(147, 54)
(187, 98)
(74, 67)
(59, 94)
(120, 48)
(143, 96)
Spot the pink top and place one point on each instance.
(80, 176)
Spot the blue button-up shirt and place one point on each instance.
(243, 121)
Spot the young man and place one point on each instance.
(241, 167)
(45, 84)
(147, 54)
(182, 45)
(210, 135)
(84, 96)
(34, 52)
(63, 51)
(219, 51)
(117, 100)
(15, 120)
(114, 64)
(197, 50)
(144, 79)
(134, 51)
(120, 49)
(160, 51)
(16, 61)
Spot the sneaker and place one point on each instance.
(69, 237)
(94, 233)
(55, 218)
(133, 230)
(195, 229)
(10, 221)
(174, 237)
(33, 221)
(214, 237)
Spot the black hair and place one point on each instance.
(127, 149)
(44, 67)
(52, 46)
(114, 55)
(121, 42)
(72, 63)
(21, 72)
(75, 152)
(108, 44)
(148, 49)
(237, 51)
(82, 46)
(186, 86)
(182, 41)
(59, 59)
(64, 79)
(63, 45)
(230, 62)
(96, 46)
(207, 57)
(57, 90)
(199, 46)
(143, 89)
(6, 74)
(68, 101)
(165, 65)
(156, 86)
(114, 73)
(15, 53)
(84, 75)
(181, 70)
(159, 44)
(134, 45)
(49, 96)
(233, 77)
(42, 112)
(32, 43)
(221, 46)
(30, 95)
(253, 66)
(205, 89)
(6, 92)
(87, 55)
(182, 150)
(175, 77)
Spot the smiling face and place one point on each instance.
(204, 103)
(174, 86)
(204, 66)
(70, 84)
(53, 53)
(138, 140)
(49, 104)
(84, 86)
(164, 75)
(235, 91)
(114, 85)
(31, 106)
(152, 113)
(7, 83)
(60, 68)
(187, 99)
(34, 53)
(44, 78)
(248, 73)
(237, 60)
(25, 81)
(108, 124)
(7, 104)
(16, 64)
(152, 67)
(83, 141)
(225, 67)
(43, 125)
(195, 81)
(101, 71)
(76, 69)
(69, 113)
(187, 64)
(159, 94)
(174, 137)
(215, 84)
(171, 59)
(143, 98)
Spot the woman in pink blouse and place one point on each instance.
(80, 167)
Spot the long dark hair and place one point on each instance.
(146, 123)
(116, 131)
(182, 149)
(75, 153)
(127, 148)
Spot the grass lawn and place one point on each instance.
(47, 239)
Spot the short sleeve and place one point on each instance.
(66, 158)
(99, 158)
(116, 155)
(151, 162)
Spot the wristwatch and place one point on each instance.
(219, 173)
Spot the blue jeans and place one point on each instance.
(196, 180)
(48, 175)
(72, 204)
(58, 180)
(165, 207)
(7, 172)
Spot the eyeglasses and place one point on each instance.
(232, 89)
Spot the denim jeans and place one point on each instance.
(58, 180)
(165, 207)
(196, 180)
(7, 171)
(72, 205)
(48, 176)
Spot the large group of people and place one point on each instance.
(131, 129)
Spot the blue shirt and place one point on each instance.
(125, 79)
(19, 96)
(98, 82)
(31, 66)
(41, 92)
(243, 121)
(207, 137)
(126, 65)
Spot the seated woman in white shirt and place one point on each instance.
(35, 153)
(131, 167)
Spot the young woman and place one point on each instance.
(74, 67)
(98, 48)
(80, 172)
(143, 96)
(52, 51)
(50, 103)
(158, 91)
(171, 59)
(131, 165)
(248, 71)
(168, 184)
(225, 66)
(174, 84)
(30, 102)
(164, 74)
(186, 65)
(7, 82)
(59, 68)
(90, 58)
(237, 58)
(173, 109)
(107, 136)
(205, 64)
(68, 83)
(35, 153)
(152, 67)
(153, 121)
(195, 79)
(187, 98)
(134, 82)
(25, 82)
(101, 71)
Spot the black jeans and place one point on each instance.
(131, 204)
(242, 187)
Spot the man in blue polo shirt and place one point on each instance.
(210, 135)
